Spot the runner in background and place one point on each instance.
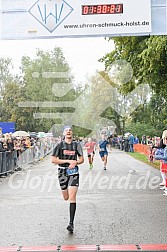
(91, 147)
(102, 145)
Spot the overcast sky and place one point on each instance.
(82, 54)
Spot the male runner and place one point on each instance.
(90, 146)
(68, 154)
(103, 149)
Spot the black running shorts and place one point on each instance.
(89, 155)
(65, 180)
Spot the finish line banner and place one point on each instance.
(23, 19)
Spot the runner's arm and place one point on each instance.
(80, 154)
(56, 160)
(160, 157)
(80, 160)
(98, 147)
(95, 146)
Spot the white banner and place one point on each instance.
(21, 19)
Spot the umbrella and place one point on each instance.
(21, 133)
(33, 134)
(41, 134)
(127, 134)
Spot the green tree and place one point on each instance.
(40, 75)
(5, 72)
(12, 94)
(147, 56)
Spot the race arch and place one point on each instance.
(30, 19)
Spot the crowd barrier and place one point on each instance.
(7, 161)
(142, 148)
(116, 248)
(10, 160)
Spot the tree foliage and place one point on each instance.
(39, 84)
(147, 56)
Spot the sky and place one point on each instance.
(82, 54)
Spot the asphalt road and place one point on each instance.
(122, 205)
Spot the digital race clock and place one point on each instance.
(102, 9)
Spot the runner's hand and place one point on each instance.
(72, 163)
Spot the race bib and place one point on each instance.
(72, 171)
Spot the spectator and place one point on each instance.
(121, 142)
(143, 140)
(131, 142)
(126, 144)
(161, 154)
(2, 149)
(163, 175)
(10, 144)
(136, 140)
(149, 140)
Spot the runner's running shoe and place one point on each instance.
(162, 184)
(91, 166)
(165, 193)
(162, 188)
(70, 228)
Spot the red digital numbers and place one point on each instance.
(102, 9)
(119, 8)
(91, 9)
(112, 8)
(85, 10)
(99, 9)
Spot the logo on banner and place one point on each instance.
(50, 13)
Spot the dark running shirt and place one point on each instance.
(103, 145)
(70, 151)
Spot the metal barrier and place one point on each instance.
(10, 160)
(7, 161)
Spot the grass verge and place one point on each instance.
(144, 158)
